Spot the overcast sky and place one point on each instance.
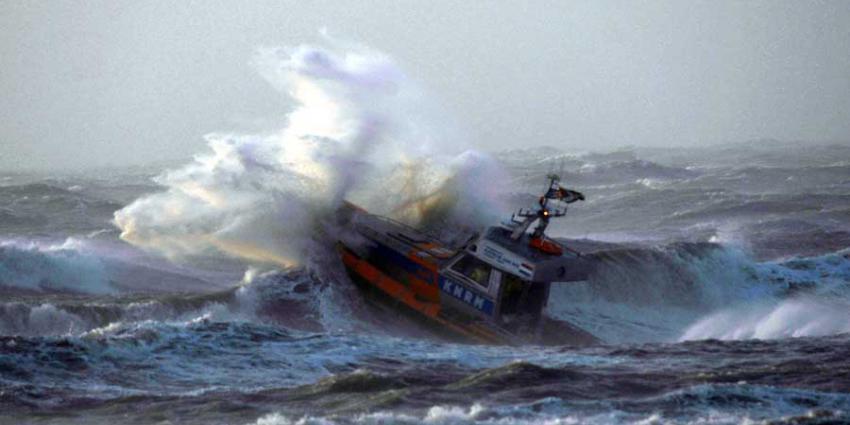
(128, 82)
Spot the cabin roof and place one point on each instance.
(502, 237)
(569, 266)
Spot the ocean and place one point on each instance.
(208, 291)
(722, 298)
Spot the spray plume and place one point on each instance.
(360, 131)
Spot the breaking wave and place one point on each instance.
(360, 130)
(678, 292)
(62, 267)
(700, 291)
(784, 318)
(291, 299)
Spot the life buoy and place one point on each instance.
(546, 246)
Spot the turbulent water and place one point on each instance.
(724, 298)
(200, 296)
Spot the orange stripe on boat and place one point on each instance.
(389, 285)
(397, 290)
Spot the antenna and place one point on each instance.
(524, 218)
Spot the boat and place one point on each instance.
(492, 288)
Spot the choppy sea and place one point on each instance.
(724, 297)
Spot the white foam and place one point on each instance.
(695, 405)
(797, 317)
(820, 307)
(361, 130)
(477, 414)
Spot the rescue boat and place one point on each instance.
(491, 289)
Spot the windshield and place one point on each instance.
(475, 269)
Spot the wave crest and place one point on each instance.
(30, 266)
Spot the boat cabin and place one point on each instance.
(504, 280)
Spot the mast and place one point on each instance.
(524, 218)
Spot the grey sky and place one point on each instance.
(119, 82)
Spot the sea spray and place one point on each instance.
(357, 132)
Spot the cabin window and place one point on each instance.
(474, 269)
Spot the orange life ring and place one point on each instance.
(546, 246)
